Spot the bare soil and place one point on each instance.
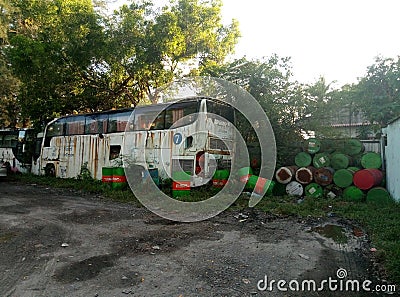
(56, 242)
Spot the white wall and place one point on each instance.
(393, 159)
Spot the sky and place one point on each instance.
(336, 39)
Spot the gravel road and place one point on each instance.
(57, 242)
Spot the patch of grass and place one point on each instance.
(83, 185)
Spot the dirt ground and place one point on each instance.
(57, 242)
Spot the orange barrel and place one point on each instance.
(367, 178)
(294, 188)
(323, 176)
(285, 174)
(304, 175)
(180, 184)
(119, 178)
(244, 174)
(220, 178)
(107, 175)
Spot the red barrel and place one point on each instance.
(367, 178)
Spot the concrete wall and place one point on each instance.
(392, 153)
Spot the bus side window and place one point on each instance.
(55, 129)
(114, 152)
(186, 111)
(75, 125)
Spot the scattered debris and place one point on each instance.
(246, 281)
(64, 244)
(304, 256)
(373, 250)
(156, 247)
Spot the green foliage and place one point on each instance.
(69, 57)
(378, 93)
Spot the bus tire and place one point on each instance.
(50, 170)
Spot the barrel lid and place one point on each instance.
(321, 160)
(353, 193)
(353, 147)
(303, 159)
(343, 178)
(314, 190)
(312, 145)
(339, 161)
(371, 160)
(304, 175)
(378, 195)
(323, 176)
(284, 175)
(294, 188)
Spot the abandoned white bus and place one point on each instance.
(16, 148)
(96, 140)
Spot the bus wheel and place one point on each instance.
(50, 170)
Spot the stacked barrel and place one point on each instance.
(334, 168)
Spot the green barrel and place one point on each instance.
(279, 189)
(339, 161)
(353, 147)
(343, 178)
(258, 184)
(303, 159)
(180, 184)
(314, 190)
(154, 175)
(321, 160)
(353, 169)
(312, 145)
(244, 174)
(371, 160)
(107, 175)
(378, 195)
(352, 193)
(119, 178)
(220, 178)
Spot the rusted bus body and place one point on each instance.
(197, 148)
(16, 148)
(165, 137)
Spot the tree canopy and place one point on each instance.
(70, 58)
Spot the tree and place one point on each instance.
(147, 47)
(378, 93)
(9, 109)
(269, 82)
(53, 42)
